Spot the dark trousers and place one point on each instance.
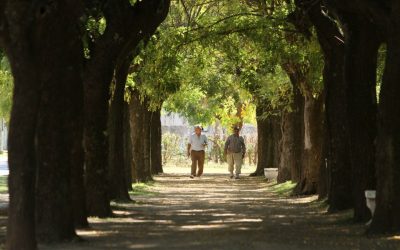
(197, 160)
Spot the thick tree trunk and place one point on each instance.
(362, 46)
(132, 24)
(156, 140)
(291, 145)
(128, 157)
(262, 145)
(338, 171)
(336, 143)
(323, 178)
(47, 72)
(276, 139)
(298, 109)
(313, 135)
(136, 124)
(117, 179)
(77, 178)
(96, 142)
(21, 148)
(285, 159)
(386, 218)
(268, 139)
(144, 174)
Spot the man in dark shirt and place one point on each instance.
(234, 151)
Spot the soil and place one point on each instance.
(215, 212)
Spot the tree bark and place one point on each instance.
(132, 24)
(298, 108)
(144, 174)
(362, 44)
(59, 120)
(156, 140)
(46, 58)
(128, 157)
(77, 177)
(312, 129)
(117, 178)
(136, 124)
(291, 145)
(386, 218)
(268, 139)
(338, 169)
(23, 122)
(284, 173)
(312, 155)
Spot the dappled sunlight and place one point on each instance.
(216, 213)
(205, 227)
(395, 238)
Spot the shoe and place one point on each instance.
(231, 177)
(192, 176)
(237, 177)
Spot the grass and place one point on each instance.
(3, 185)
(142, 189)
(3, 154)
(283, 189)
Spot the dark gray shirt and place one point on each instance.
(235, 144)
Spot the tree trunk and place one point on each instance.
(156, 140)
(337, 166)
(386, 218)
(77, 177)
(46, 61)
(263, 130)
(362, 46)
(268, 139)
(136, 128)
(313, 134)
(144, 174)
(117, 178)
(96, 142)
(132, 24)
(285, 159)
(276, 139)
(291, 145)
(298, 110)
(128, 157)
(21, 147)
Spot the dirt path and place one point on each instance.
(217, 213)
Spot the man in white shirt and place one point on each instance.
(196, 149)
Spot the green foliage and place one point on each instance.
(216, 60)
(6, 89)
(3, 185)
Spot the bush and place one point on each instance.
(170, 146)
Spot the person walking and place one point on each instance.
(234, 151)
(196, 150)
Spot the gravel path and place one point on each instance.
(215, 212)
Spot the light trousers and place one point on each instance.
(235, 161)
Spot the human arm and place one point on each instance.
(226, 146)
(188, 149)
(189, 146)
(205, 141)
(243, 148)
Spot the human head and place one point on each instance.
(197, 130)
(236, 130)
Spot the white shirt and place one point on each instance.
(197, 142)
